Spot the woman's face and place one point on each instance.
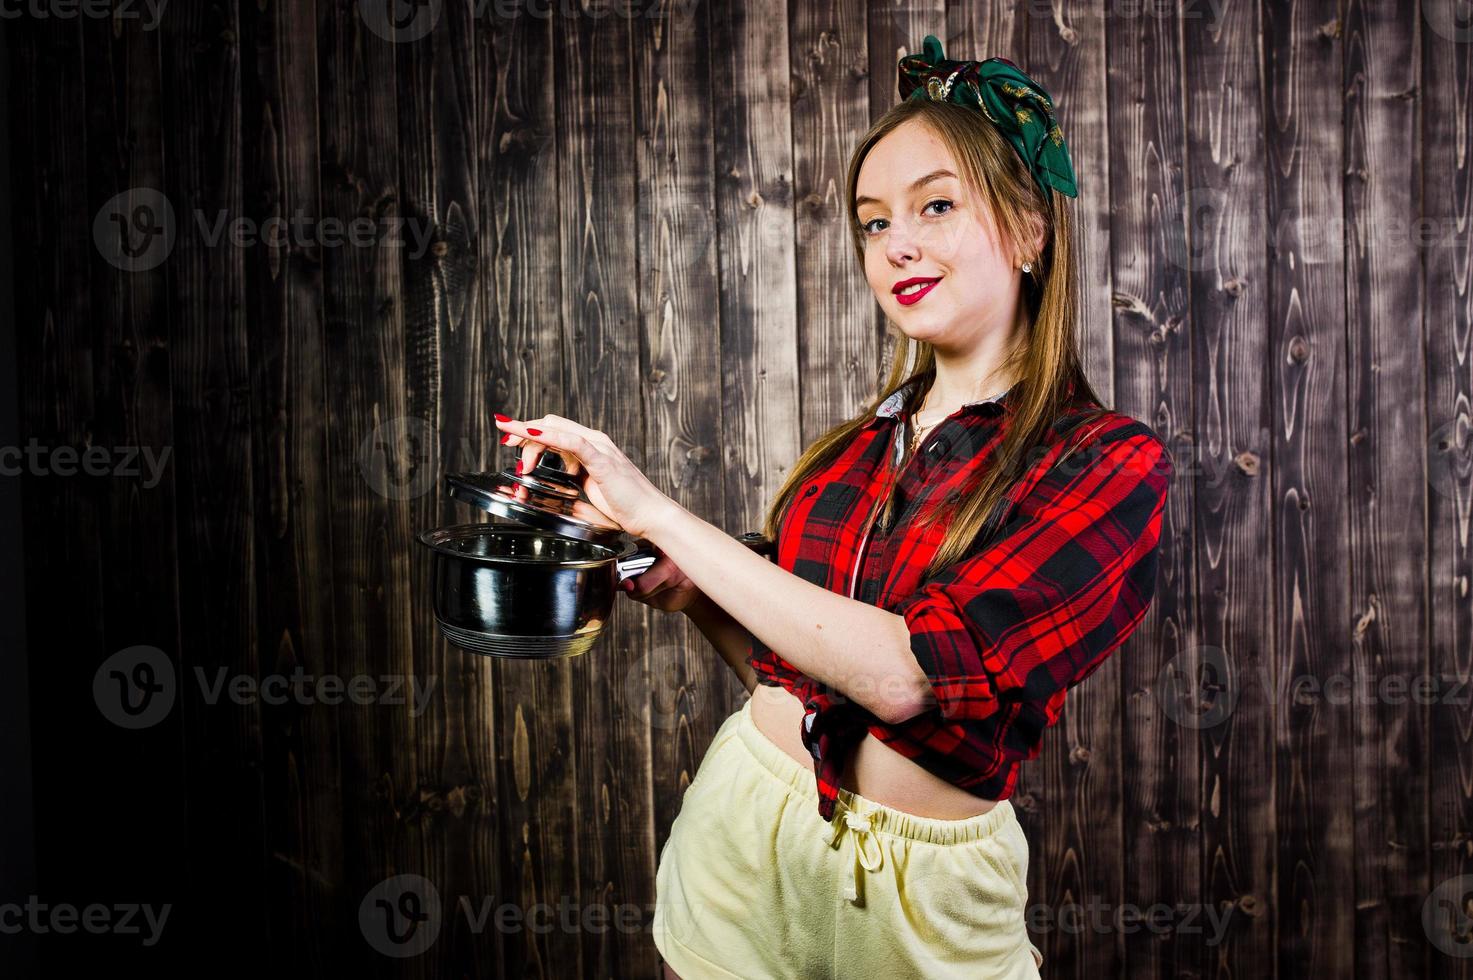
(918, 226)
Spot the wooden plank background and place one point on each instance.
(635, 221)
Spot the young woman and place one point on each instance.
(949, 562)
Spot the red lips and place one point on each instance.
(915, 297)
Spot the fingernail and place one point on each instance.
(502, 418)
(519, 466)
(534, 432)
(505, 436)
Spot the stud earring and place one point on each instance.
(1027, 266)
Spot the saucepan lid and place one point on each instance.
(547, 498)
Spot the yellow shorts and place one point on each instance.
(754, 884)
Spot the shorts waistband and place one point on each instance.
(882, 819)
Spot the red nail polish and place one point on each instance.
(519, 466)
(534, 432)
(502, 418)
(505, 436)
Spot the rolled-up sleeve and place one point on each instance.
(1041, 604)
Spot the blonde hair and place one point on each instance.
(1044, 362)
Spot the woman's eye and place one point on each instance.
(868, 228)
(940, 201)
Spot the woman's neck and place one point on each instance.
(981, 373)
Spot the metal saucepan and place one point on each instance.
(508, 591)
(540, 588)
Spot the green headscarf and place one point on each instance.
(1016, 104)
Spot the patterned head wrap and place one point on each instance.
(1016, 104)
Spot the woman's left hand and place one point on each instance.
(614, 485)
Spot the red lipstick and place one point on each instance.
(909, 299)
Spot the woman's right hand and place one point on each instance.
(663, 585)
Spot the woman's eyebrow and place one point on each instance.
(915, 186)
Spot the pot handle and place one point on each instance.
(644, 555)
(636, 562)
(759, 543)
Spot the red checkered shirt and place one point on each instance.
(1002, 633)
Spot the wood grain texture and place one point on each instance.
(1153, 382)
(447, 419)
(210, 380)
(284, 305)
(537, 767)
(1387, 487)
(130, 316)
(613, 690)
(1447, 206)
(680, 330)
(1075, 784)
(635, 222)
(839, 356)
(368, 460)
(1222, 253)
(1306, 314)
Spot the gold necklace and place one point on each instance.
(921, 430)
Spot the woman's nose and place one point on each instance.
(902, 243)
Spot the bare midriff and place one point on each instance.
(874, 770)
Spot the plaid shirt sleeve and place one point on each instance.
(1039, 606)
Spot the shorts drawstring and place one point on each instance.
(859, 826)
